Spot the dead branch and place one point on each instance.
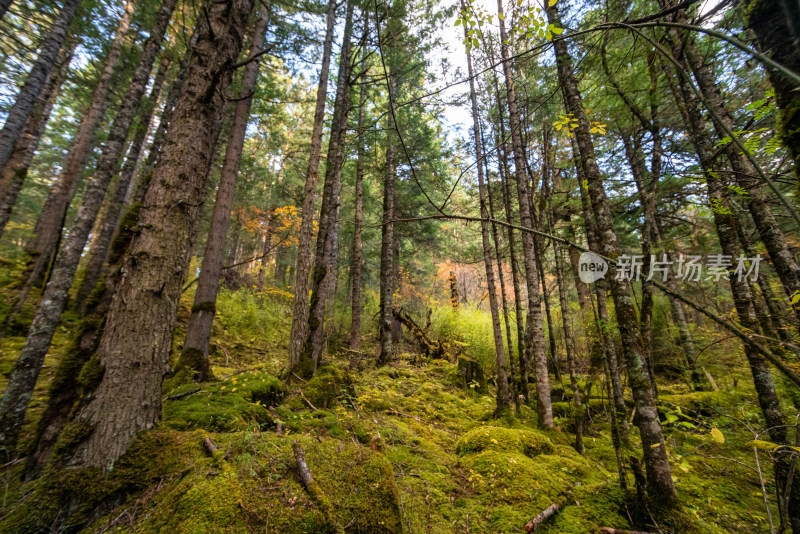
(182, 395)
(609, 530)
(209, 446)
(433, 349)
(541, 517)
(313, 488)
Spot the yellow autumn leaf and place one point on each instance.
(716, 435)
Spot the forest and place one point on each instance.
(400, 266)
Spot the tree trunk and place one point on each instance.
(355, 270)
(725, 223)
(35, 82)
(303, 264)
(66, 390)
(534, 341)
(539, 247)
(496, 236)
(136, 342)
(745, 175)
(194, 356)
(324, 273)
(524, 362)
(16, 170)
(26, 369)
(659, 476)
(4, 5)
(42, 246)
(503, 405)
(387, 240)
(107, 226)
(775, 25)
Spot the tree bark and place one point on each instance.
(503, 405)
(355, 270)
(534, 341)
(15, 172)
(23, 376)
(659, 475)
(136, 341)
(324, 272)
(104, 232)
(745, 176)
(775, 25)
(496, 236)
(387, 240)
(36, 80)
(194, 355)
(47, 231)
(303, 264)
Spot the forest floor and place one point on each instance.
(403, 448)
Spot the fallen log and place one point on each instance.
(433, 349)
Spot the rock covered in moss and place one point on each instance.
(325, 387)
(526, 442)
(227, 406)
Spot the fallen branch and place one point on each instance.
(313, 488)
(308, 401)
(209, 446)
(182, 395)
(609, 530)
(541, 517)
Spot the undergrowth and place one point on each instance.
(402, 448)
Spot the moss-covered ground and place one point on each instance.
(402, 448)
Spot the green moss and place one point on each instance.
(325, 387)
(128, 228)
(227, 406)
(487, 438)
(91, 373)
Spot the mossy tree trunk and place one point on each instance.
(22, 380)
(303, 264)
(136, 341)
(67, 389)
(534, 338)
(324, 273)
(194, 355)
(659, 475)
(502, 402)
(107, 226)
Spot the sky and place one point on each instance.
(458, 119)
